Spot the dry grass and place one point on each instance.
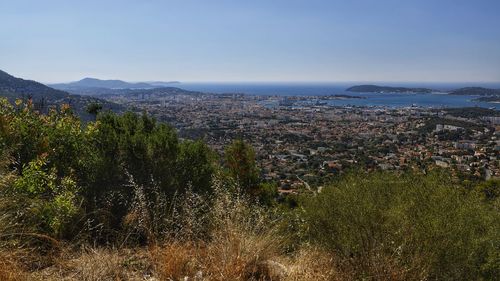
(314, 264)
(175, 261)
(94, 265)
(98, 265)
(241, 241)
(178, 261)
(211, 262)
(224, 262)
(236, 258)
(241, 256)
(233, 240)
(10, 269)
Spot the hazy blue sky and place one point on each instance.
(254, 40)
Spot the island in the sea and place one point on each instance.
(387, 89)
(476, 91)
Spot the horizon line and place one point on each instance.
(276, 81)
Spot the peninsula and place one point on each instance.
(386, 89)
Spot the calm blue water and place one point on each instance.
(371, 99)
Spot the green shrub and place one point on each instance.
(52, 201)
(53, 154)
(421, 226)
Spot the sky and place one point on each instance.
(258, 40)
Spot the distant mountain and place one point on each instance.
(476, 91)
(155, 90)
(386, 89)
(97, 83)
(43, 97)
(87, 83)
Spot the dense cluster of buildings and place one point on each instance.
(310, 142)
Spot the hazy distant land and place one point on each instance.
(386, 89)
(486, 94)
(90, 83)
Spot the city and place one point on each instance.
(300, 141)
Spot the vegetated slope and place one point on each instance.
(44, 97)
(11, 86)
(386, 89)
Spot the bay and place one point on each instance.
(393, 100)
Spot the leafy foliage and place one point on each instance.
(424, 225)
(66, 166)
(241, 165)
(94, 108)
(54, 201)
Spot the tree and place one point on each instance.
(66, 167)
(195, 166)
(240, 163)
(94, 108)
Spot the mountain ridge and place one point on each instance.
(14, 86)
(44, 97)
(90, 82)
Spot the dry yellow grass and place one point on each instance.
(221, 262)
(10, 270)
(241, 243)
(175, 261)
(233, 259)
(235, 240)
(313, 264)
(99, 264)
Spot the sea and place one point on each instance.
(437, 99)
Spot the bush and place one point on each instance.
(53, 202)
(64, 167)
(411, 226)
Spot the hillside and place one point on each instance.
(386, 89)
(476, 91)
(11, 86)
(43, 97)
